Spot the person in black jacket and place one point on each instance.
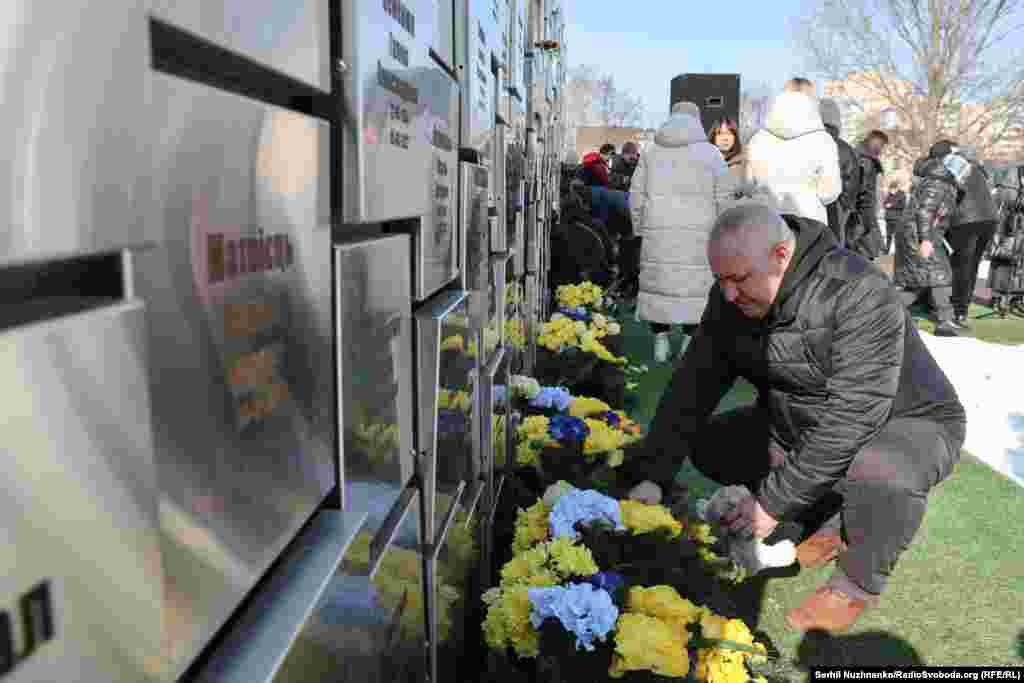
(623, 166)
(922, 264)
(895, 203)
(972, 228)
(869, 242)
(844, 210)
(853, 412)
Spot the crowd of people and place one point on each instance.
(801, 164)
(766, 253)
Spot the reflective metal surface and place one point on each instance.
(79, 502)
(474, 229)
(374, 337)
(367, 629)
(480, 43)
(240, 330)
(445, 370)
(517, 58)
(73, 82)
(434, 242)
(499, 231)
(493, 409)
(395, 96)
(263, 30)
(259, 642)
(531, 289)
(515, 319)
(444, 32)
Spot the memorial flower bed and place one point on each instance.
(581, 347)
(603, 589)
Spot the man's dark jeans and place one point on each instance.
(881, 501)
(969, 241)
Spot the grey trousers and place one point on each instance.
(941, 300)
(880, 502)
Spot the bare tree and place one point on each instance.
(922, 69)
(593, 99)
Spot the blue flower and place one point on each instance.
(612, 419)
(609, 581)
(583, 506)
(451, 423)
(568, 428)
(499, 393)
(552, 397)
(587, 612)
(578, 313)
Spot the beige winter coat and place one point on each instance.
(680, 186)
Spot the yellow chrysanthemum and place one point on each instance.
(584, 406)
(570, 559)
(644, 643)
(641, 518)
(508, 623)
(701, 533)
(532, 527)
(663, 602)
(515, 333)
(453, 343)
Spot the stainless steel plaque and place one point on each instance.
(291, 37)
(374, 329)
(75, 147)
(81, 562)
(482, 47)
(474, 229)
(444, 32)
(395, 98)
(239, 291)
(435, 239)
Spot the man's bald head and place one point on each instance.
(749, 250)
(751, 230)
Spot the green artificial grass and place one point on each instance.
(956, 595)
(995, 330)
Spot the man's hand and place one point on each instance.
(646, 492)
(749, 519)
(927, 248)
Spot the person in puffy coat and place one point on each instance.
(795, 158)
(895, 204)
(853, 415)
(677, 191)
(922, 257)
(971, 230)
(624, 166)
(843, 211)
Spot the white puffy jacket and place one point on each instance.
(795, 158)
(679, 187)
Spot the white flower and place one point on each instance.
(614, 328)
(600, 320)
(557, 316)
(581, 327)
(491, 596)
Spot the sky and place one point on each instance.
(646, 43)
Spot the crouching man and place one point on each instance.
(853, 413)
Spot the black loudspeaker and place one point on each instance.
(717, 95)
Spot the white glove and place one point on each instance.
(754, 555)
(646, 492)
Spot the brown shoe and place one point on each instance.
(828, 610)
(819, 549)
